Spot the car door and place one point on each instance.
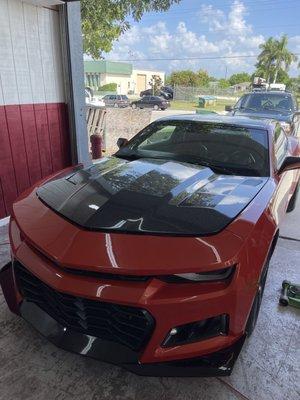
(154, 102)
(146, 101)
(296, 120)
(286, 180)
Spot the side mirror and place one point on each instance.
(289, 164)
(121, 142)
(228, 108)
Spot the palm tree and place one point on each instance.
(266, 58)
(273, 57)
(283, 57)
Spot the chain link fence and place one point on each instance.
(191, 93)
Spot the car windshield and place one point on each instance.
(276, 102)
(224, 148)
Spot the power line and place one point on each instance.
(204, 31)
(244, 3)
(193, 58)
(258, 7)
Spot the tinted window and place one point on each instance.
(242, 151)
(124, 97)
(280, 145)
(162, 134)
(268, 101)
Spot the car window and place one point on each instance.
(124, 97)
(112, 97)
(160, 135)
(280, 145)
(153, 98)
(241, 101)
(240, 150)
(269, 102)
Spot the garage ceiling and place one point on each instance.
(46, 3)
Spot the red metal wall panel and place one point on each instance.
(31, 142)
(17, 146)
(34, 142)
(7, 170)
(42, 127)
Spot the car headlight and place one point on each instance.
(286, 127)
(210, 276)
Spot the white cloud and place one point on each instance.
(228, 34)
(232, 24)
(294, 46)
(294, 43)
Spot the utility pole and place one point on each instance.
(226, 68)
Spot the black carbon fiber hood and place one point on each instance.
(150, 196)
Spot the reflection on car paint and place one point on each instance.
(149, 195)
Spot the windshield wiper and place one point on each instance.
(214, 167)
(219, 168)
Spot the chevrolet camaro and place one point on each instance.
(156, 258)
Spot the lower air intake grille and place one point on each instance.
(129, 326)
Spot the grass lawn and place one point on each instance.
(192, 106)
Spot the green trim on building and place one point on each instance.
(107, 67)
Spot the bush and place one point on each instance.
(110, 87)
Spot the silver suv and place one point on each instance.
(116, 100)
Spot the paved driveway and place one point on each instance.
(268, 367)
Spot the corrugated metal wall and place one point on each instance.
(34, 137)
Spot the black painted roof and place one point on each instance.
(223, 119)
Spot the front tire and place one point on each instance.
(253, 316)
(156, 108)
(292, 203)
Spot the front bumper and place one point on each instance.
(218, 363)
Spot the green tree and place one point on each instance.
(202, 78)
(103, 21)
(189, 78)
(183, 78)
(273, 58)
(223, 83)
(283, 57)
(239, 78)
(265, 59)
(294, 85)
(155, 84)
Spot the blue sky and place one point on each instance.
(195, 29)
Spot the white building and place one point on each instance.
(128, 80)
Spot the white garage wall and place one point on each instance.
(30, 63)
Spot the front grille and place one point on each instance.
(129, 326)
(103, 275)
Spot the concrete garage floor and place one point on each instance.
(268, 366)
